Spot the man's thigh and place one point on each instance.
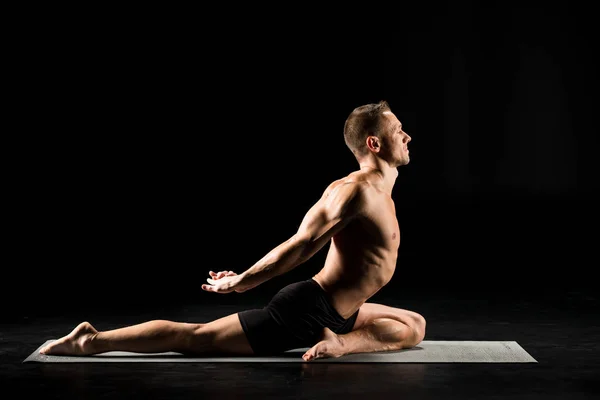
(265, 334)
(369, 312)
(227, 336)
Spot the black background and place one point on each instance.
(153, 147)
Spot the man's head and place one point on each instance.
(372, 130)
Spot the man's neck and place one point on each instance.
(388, 174)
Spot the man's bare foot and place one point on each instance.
(330, 346)
(75, 343)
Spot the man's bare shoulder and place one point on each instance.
(353, 184)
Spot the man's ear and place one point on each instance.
(373, 143)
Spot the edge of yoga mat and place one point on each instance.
(428, 351)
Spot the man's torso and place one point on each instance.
(362, 257)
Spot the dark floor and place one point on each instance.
(560, 329)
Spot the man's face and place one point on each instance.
(395, 142)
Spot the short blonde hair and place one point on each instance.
(364, 121)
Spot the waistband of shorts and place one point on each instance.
(314, 282)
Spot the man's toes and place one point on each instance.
(310, 354)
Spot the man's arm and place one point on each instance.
(324, 219)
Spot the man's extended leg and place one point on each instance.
(377, 328)
(222, 336)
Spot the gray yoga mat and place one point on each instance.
(428, 351)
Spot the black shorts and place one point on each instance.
(294, 318)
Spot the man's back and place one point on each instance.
(362, 256)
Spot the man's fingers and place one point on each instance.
(214, 289)
(221, 274)
(210, 288)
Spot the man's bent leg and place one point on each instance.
(222, 336)
(369, 312)
(377, 328)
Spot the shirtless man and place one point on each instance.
(328, 313)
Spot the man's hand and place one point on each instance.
(223, 282)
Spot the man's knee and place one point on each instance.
(418, 327)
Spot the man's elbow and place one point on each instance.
(304, 246)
